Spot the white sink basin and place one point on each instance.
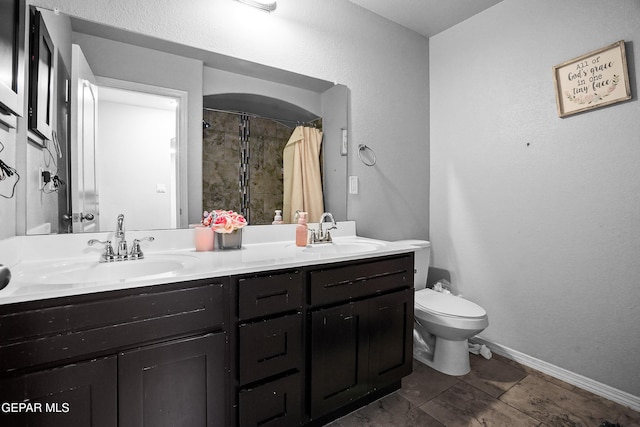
(344, 247)
(67, 273)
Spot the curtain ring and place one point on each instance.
(371, 159)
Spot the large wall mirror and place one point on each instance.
(129, 117)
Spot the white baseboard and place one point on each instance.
(595, 387)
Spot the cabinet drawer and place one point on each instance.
(273, 404)
(269, 348)
(346, 282)
(46, 333)
(269, 294)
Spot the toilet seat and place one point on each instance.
(447, 305)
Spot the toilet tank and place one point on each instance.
(421, 268)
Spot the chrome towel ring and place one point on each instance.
(370, 155)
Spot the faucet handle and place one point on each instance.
(327, 236)
(136, 251)
(107, 255)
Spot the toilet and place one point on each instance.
(442, 322)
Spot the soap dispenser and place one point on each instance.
(277, 219)
(301, 230)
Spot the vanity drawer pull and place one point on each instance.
(348, 282)
(260, 296)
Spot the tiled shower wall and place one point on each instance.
(221, 165)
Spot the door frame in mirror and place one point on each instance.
(181, 135)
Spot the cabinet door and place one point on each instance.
(83, 394)
(339, 356)
(391, 338)
(180, 383)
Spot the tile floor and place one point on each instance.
(497, 392)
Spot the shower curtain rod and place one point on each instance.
(298, 122)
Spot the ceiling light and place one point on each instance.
(267, 6)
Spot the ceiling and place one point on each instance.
(426, 17)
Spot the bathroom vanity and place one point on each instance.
(241, 338)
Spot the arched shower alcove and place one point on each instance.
(243, 172)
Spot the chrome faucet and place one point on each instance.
(324, 236)
(121, 243)
(120, 252)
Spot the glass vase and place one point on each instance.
(231, 240)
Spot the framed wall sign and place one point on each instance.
(592, 80)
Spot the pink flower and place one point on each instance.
(207, 218)
(224, 221)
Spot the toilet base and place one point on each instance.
(449, 357)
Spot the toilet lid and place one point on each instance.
(447, 304)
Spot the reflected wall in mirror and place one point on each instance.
(119, 59)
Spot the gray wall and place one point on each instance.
(335, 114)
(537, 217)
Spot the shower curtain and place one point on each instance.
(302, 181)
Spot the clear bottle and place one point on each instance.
(277, 219)
(301, 230)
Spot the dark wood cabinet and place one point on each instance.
(359, 347)
(339, 356)
(270, 350)
(365, 344)
(390, 338)
(173, 384)
(147, 356)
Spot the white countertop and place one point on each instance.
(264, 248)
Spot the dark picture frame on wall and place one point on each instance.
(41, 78)
(12, 45)
(593, 80)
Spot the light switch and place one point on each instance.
(353, 185)
(345, 140)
